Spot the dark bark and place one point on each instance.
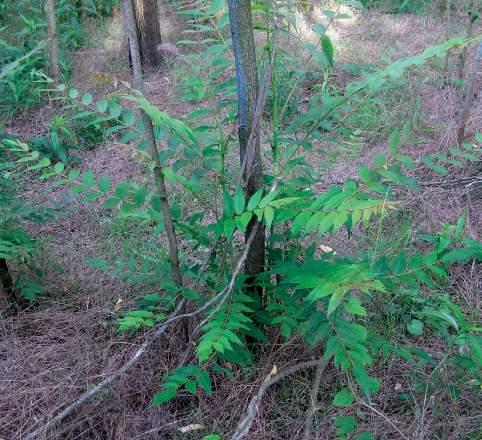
(247, 89)
(78, 9)
(6, 279)
(148, 28)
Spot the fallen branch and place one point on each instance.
(253, 407)
(315, 389)
(449, 183)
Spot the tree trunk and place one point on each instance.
(158, 174)
(78, 9)
(247, 89)
(146, 13)
(6, 279)
(469, 96)
(53, 42)
(473, 16)
(447, 36)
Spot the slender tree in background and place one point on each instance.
(6, 278)
(447, 36)
(247, 86)
(53, 42)
(472, 18)
(148, 28)
(158, 174)
(79, 9)
(469, 95)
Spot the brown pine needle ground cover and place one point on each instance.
(68, 342)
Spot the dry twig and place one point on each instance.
(310, 414)
(245, 424)
(247, 165)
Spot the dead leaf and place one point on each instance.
(192, 427)
(327, 249)
(273, 371)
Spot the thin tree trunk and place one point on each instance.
(447, 36)
(78, 9)
(469, 96)
(54, 70)
(148, 29)
(6, 279)
(463, 56)
(158, 174)
(247, 89)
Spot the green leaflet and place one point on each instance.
(345, 425)
(327, 49)
(394, 142)
(159, 117)
(343, 398)
(335, 300)
(415, 327)
(268, 216)
(238, 201)
(254, 200)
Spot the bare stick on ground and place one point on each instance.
(315, 389)
(245, 424)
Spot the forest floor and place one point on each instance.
(67, 342)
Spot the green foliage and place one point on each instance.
(223, 334)
(287, 72)
(188, 378)
(23, 31)
(326, 298)
(136, 319)
(16, 244)
(345, 425)
(343, 397)
(394, 6)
